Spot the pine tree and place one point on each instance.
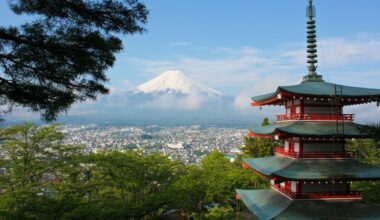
(61, 55)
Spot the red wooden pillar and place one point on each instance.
(291, 146)
(298, 190)
(287, 186)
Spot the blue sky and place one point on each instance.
(181, 33)
(243, 48)
(218, 30)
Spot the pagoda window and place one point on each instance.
(286, 146)
(296, 102)
(298, 109)
(293, 186)
(296, 147)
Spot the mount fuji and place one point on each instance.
(175, 82)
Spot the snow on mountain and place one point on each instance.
(175, 81)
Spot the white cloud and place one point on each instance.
(338, 52)
(242, 67)
(190, 102)
(368, 113)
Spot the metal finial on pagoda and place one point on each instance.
(311, 46)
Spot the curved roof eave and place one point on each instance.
(324, 89)
(310, 169)
(309, 129)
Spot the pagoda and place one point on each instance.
(311, 174)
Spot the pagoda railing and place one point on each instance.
(316, 117)
(281, 151)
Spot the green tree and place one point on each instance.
(222, 213)
(132, 185)
(258, 147)
(61, 55)
(265, 122)
(189, 191)
(367, 152)
(223, 177)
(41, 178)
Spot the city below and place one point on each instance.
(188, 143)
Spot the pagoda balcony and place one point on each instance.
(316, 117)
(282, 152)
(318, 196)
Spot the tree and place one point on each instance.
(130, 185)
(265, 122)
(61, 56)
(41, 178)
(258, 147)
(367, 152)
(222, 213)
(222, 178)
(189, 191)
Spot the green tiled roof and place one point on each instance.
(265, 203)
(268, 165)
(268, 204)
(313, 209)
(303, 128)
(313, 88)
(310, 169)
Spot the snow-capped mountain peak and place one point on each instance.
(177, 82)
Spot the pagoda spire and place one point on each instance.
(311, 45)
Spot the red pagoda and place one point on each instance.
(312, 173)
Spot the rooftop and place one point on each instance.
(309, 129)
(269, 204)
(351, 95)
(313, 169)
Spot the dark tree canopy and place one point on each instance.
(61, 55)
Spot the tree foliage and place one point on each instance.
(258, 147)
(41, 178)
(265, 122)
(131, 185)
(223, 213)
(367, 151)
(61, 55)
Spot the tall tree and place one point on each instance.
(61, 55)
